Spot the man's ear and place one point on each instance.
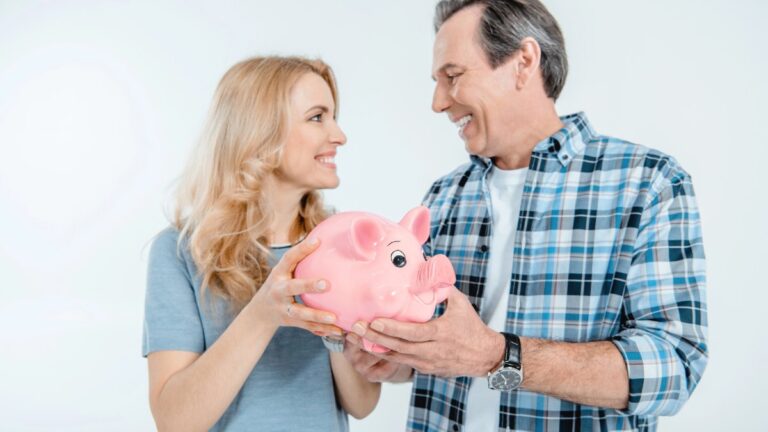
(528, 59)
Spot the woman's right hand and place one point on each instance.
(275, 297)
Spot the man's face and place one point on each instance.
(481, 101)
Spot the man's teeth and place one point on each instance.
(325, 159)
(463, 121)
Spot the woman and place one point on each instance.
(227, 345)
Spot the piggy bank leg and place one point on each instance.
(374, 348)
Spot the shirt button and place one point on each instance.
(484, 248)
(565, 157)
(455, 427)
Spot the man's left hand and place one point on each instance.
(457, 343)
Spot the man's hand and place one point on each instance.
(374, 369)
(456, 344)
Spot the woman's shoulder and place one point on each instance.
(166, 246)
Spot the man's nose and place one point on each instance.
(441, 100)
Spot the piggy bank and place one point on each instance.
(376, 269)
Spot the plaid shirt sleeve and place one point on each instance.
(663, 337)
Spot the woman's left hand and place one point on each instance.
(276, 295)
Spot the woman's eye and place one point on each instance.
(317, 118)
(398, 258)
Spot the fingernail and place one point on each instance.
(320, 285)
(329, 318)
(312, 241)
(378, 326)
(358, 329)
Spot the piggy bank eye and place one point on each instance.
(398, 258)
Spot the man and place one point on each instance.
(579, 259)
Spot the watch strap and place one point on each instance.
(512, 351)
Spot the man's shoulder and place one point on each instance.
(606, 154)
(458, 177)
(455, 175)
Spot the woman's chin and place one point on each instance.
(327, 184)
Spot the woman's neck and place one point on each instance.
(285, 202)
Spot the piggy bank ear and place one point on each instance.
(365, 236)
(417, 222)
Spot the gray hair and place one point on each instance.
(505, 23)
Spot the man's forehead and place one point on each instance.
(454, 39)
(445, 53)
(459, 54)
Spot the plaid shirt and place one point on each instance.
(608, 247)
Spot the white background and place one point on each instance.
(100, 103)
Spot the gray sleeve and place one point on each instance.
(171, 314)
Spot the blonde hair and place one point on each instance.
(221, 204)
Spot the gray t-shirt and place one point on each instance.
(291, 387)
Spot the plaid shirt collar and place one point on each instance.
(565, 144)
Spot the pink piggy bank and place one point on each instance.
(376, 269)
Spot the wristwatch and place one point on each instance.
(333, 344)
(509, 375)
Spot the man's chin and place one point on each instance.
(475, 148)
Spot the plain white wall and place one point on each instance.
(100, 103)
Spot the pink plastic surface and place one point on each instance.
(376, 269)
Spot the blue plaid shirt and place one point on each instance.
(608, 247)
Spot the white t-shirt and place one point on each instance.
(506, 189)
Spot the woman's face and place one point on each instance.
(312, 137)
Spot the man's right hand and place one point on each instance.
(371, 367)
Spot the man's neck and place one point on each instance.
(539, 125)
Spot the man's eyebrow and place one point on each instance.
(443, 68)
(322, 108)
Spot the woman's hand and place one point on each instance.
(275, 298)
(372, 367)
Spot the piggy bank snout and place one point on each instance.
(434, 276)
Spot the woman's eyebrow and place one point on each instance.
(322, 108)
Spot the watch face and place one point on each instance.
(505, 379)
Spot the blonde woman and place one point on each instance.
(228, 347)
